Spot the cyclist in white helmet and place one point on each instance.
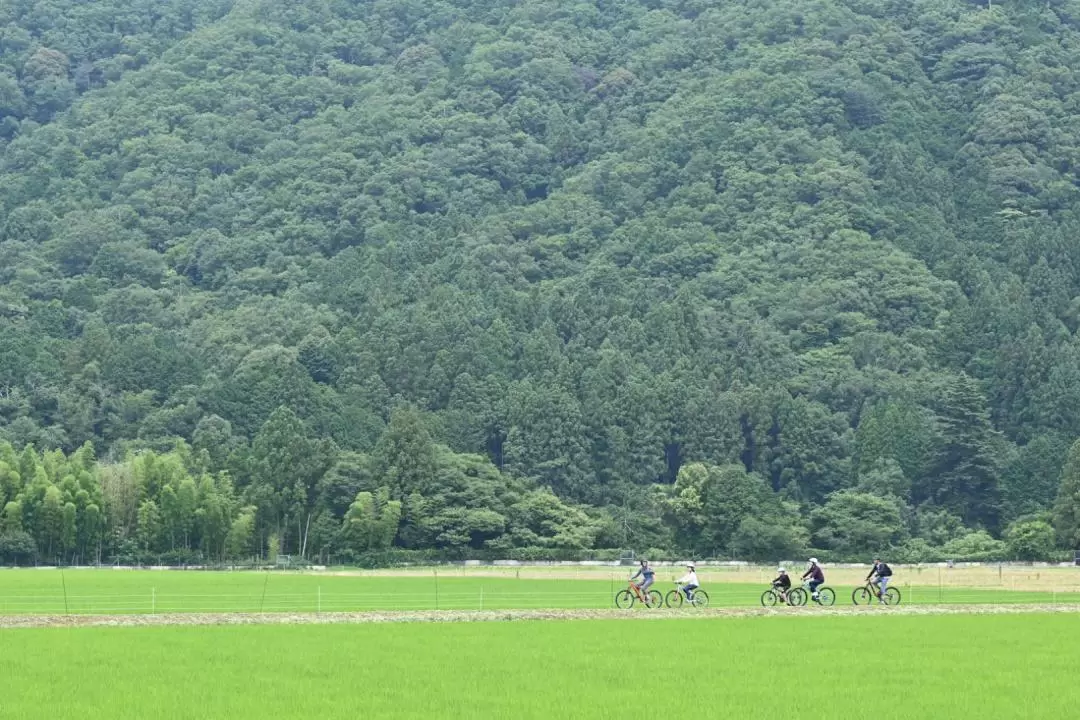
(817, 578)
(689, 581)
(782, 583)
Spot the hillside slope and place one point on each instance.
(820, 251)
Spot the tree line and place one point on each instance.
(220, 500)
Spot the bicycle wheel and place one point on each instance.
(701, 599)
(826, 596)
(624, 599)
(797, 597)
(656, 600)
(861, 596)
(768, 598)
(892, 596)
(674, 599)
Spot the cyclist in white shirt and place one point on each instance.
(689, 581)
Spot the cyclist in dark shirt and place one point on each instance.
(782, 583)
(817, 578)
(880, 573)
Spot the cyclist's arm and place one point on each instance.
(635, 575)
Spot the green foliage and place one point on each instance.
(1030, 540)
(1066, 514)
(593, 245)
(765, 540)
(708, 505)
(16, 548)
(852, 522)
(975, 546)
(372, 521)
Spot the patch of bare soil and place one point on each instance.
(49, 621)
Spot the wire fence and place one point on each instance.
(319, 600)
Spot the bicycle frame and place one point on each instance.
(679, 589)
(874, 588)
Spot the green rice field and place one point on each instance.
(106, 592)
(879, 666)
(138, 592)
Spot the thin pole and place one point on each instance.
(262, 603)
(63, 584)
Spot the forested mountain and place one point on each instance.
(722, 278)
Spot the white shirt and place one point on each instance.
(689, 578)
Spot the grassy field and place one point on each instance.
(110, 591)
(877, 666)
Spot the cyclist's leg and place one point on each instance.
(645, 584)
(688, 591)
(883, 583)
(814, 584)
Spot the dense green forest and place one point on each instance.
(536, 278)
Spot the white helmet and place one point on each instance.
(813, 561)
(781, 570)
(690, 565)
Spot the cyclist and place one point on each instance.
(880, 573)
(782, 583)
(646, 573)
(817, 578)
(689, 582)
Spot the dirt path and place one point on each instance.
(50, 621)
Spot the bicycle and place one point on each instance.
(675, 598)
(866, 594)
(625, 599)
(799, 596)
(774, 595)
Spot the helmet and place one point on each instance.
(690, 565)
(813, 561)
(781, 570)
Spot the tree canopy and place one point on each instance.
(727, 278)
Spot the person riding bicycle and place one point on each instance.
(689, 582)
(646, 573)
(879, 575)
(817, 578)
(782, 583)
